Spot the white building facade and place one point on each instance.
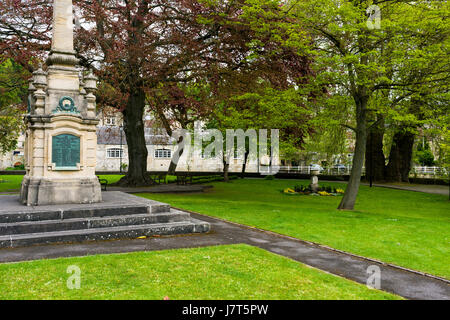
(112, 151)
(112, 154)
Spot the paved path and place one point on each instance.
(402, 282)
(426, 188)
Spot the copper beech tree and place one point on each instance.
(139, 48)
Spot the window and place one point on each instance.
(115, 153)
(110, 121)
(163, 153)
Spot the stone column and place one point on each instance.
(62, 52)
(61, 125)
(62, 26)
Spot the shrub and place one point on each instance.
(19, 166)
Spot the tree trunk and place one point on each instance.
(137, 148)
(173, 164)
(226, 166)
(400, 157)
(375, 159)
(244, 165)
(349, 199)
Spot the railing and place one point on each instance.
(421, 171)
(307, 170)
(429, 171)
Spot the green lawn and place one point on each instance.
(10, 182)
(13, 182)
(407, 228)
(225, 272)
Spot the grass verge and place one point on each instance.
(224, 272)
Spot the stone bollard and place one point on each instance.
(314, 186)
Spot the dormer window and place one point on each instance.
(110, 121)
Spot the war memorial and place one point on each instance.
(61, 199)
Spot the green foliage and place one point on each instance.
(13, 90)
(16, 168)
(11, 124)
(266, 107)
(13, 84)
(306, 189)
(424, 156)
(443, 143)
(398, 71)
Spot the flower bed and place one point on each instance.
(324, 191)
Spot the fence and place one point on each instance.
(341, 171)
(325, 171)
(425, 172)
(429, 171)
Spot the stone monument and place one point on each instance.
(61, 141)
(60, 153)
(314, 185)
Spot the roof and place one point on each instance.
(109, 135)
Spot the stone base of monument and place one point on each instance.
(39, 192)
(119, 216)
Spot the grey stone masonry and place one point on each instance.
(119, 216)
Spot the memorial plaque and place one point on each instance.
(66, 151)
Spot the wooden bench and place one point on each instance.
(184, 178)
(158, 178)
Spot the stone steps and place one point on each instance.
(42, 215)
(106, 233)
(90, 222)
(119, 216)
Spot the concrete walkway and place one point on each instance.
(425, 188)
(408, 284)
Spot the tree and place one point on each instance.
(352, 54)
(424, 155)
(264, 108)
(178, 106)
(13, 92)
(140, 46)
(236, 59)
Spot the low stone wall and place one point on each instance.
(12, 173)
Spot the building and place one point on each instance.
(15, 157)
(112, 153)
(112, 150)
